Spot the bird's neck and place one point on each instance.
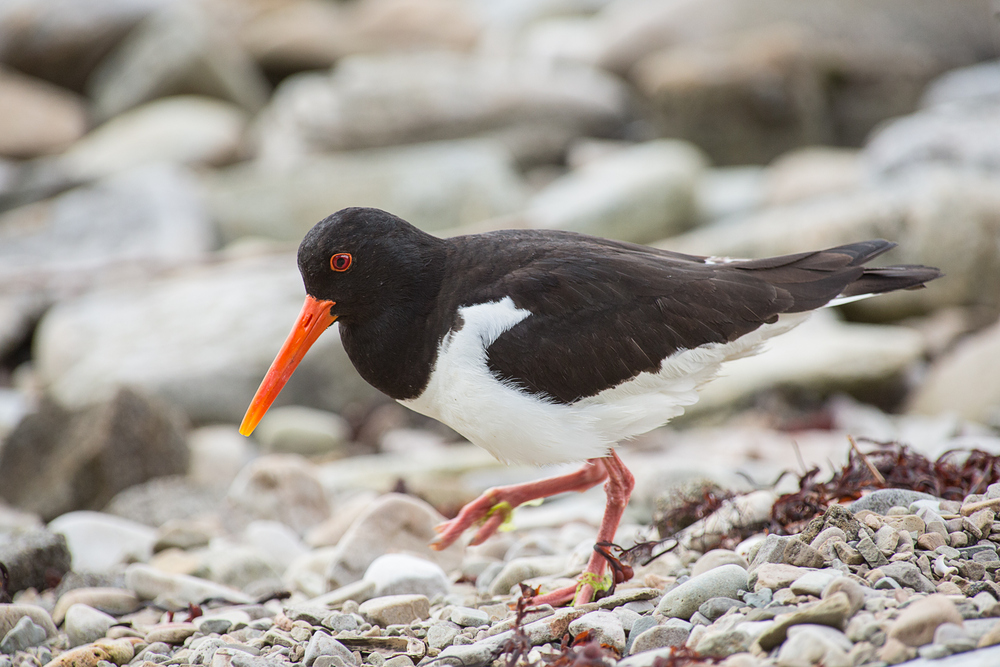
(394, 348)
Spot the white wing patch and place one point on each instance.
(515, 426)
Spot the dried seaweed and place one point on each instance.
(954, 475)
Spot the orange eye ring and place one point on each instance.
(341, 261)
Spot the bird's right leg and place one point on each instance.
(495, 505)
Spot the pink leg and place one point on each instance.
(618, 489)
(488, 507)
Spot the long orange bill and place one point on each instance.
(313, 320)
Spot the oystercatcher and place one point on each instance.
(548, 346)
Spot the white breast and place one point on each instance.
(516, 426)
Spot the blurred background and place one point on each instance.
(161, 159)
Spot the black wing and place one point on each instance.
(603, 311)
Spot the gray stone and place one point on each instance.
(684, 600)
(713, 608)
(435, 186)
(11, 615)
(395, 609)
(294, 429)
(715, 558)
(917, 623)
(854, 591)
(723, 643)
(322, 644)
(815, 645)
(124, 227)
(85, 624)
(813, 583)
(467, 617)
(536, 113)
(604, 628)
(33, 556)
(101, 542)
(673, 632)
(832, 611)
(148, 583)
(521, 569)
(393, 522)
(82, 460)
(402, 574)
(179, 49)
(639, 626)
(909, 575)
(114, 601)
(442, 633)
(24, 634)
(638, 194)
(85, 347)
(182, 129)
(238, 567)
(278, 487)
(870, 552)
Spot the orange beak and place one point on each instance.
(313, 320)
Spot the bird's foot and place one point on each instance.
(582, 592)
(489, 511)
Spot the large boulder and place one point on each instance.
(434, 186)
(57, 461)
(385, 99)
(202, 339)
(749, 79)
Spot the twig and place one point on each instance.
(872, 469)
(798, 455)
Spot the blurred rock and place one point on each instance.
(749, 80)
(176, 590)
(731, 191)
(38, 118)
(636, 194)
(963, 381)
(100, 542)
(57, 461)
(312, 34)
(386, 99)
(202, 339)
(121, 228)
(182, 48)
(822, 355)
(976, 83)
(238, 567)
(403, 574)
(394, 523)
(63, 40)
(34, 558)
(162, 499)
(434, 186)
(812, 172)
(218, 453)
(184, 129)
(943, 218)
(84, 624)
(965, 136)
(293, 429)
(279, 487)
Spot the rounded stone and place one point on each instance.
(684, 600)
(715, 558)
(917, 623)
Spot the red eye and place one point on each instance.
(341, 261)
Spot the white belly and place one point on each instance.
(516, 426)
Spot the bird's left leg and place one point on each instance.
(618, 489)
(494, 506)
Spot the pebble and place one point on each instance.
(402, 574)
(24, 634)
(395, 609)
(604, 627)
(85, 624)
(916, 624)
(683, 601)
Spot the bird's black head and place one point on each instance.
(366, 260)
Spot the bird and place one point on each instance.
(549, 346)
